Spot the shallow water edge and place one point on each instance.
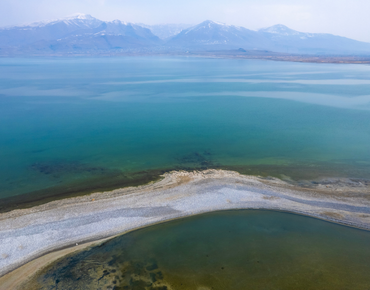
(192, 253)
(300, 175)
(30, 233)
(27, 274)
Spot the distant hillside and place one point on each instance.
(80, 33)
(284, 39)
(84, 34)
(213, 35)
(165, 31)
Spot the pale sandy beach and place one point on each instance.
(32, 238)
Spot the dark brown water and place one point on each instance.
(247, 249)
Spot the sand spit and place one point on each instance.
(31, 233)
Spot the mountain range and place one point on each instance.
(79, 33)
(165, 31)
(84, 34)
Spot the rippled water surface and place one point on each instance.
(80, 124)
(224, 250)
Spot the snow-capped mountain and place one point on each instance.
(210, 35)
(85, 34)
(215, 35)
(280, 29)
(78, 20)
(284, 39)
(164, 31)
(79, 32)
(46, 30)
(117, 27)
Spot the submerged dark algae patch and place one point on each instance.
(95, 178)
(112, 180)
(57, 169)
(104, 272)
(65, 138)
(202, 160)
(246, 249)
(98, 179)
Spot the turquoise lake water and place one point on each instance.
(67, 123)
(228, 250)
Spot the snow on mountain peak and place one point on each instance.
(280, 29)
(72, 19)
(81, 16)
(211, 24)
(116, 21)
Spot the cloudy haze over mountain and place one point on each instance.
(165, 31)
(84, 34)
(340, 17)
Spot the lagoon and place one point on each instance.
(244, 249)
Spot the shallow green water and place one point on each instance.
(69, 125)
(223, 250)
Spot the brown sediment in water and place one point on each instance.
(20, 276)
(177, 194)
(26, 277)
(114, 263)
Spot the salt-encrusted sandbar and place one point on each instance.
(30, 233)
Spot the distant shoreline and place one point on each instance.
(256, 55)
(31, 233)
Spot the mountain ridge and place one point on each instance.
(84, 33)
(81, 32)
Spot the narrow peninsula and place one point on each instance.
(44, 233)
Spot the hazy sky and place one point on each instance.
(348, 18)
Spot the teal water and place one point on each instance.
(229, 250)
(70, 122)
